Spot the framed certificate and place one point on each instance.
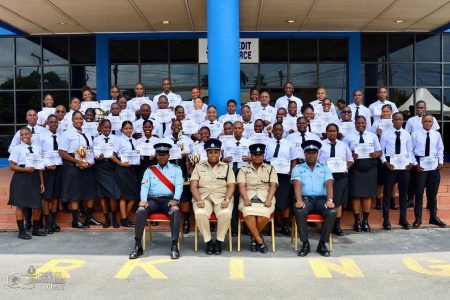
(106, 104)
(116, 122)
(146, 149)
(385, 124)
(347, 128)
(429, 163)
(363, 150)
(51, 158)
(337, 165)
(282, 166)
(34, 160)
(318, 126)
(237, 152)
(132, 157)
(103, 148)
(163, 115)
(175, 152)
(399, 161)
(189, 126)
(127, 115)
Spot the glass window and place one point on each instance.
(204, 75)
(7, 130)
(273, 75)
(183, 74)
(428, 74)
(335, 94)
(373, 47)
(56, 50)
(249, 75)
(56, 78)
(123, 51)
(7, 51)
(428, 47)
(26, 101)
(91, 76)
(374, 74)
(82, 76)
(28, 78)
(402, 97)
(184, 50)
(302, 50)
(401, 47)
(60, 97)
(447, 105)
(401, 74)
(6, 78)
(446, 38)
(124, 75)
(154, 50)
(303, 74)
(306, 94)
(332, 75)
(82, 49)
(370, 96)
(152, 75)
(434, 103)
(273, 50)
(447, 75)
(28, 51)
(7, 105)
(332, 50)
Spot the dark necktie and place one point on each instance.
(132, 146)
(147, 141)
(55, 143)
(113, 132)
(397, 143)
(235, 164)
(361, 139)
(211, 123)
(85, 138)
(164, 128)
(427, 145)
(277, 149)
(309, 127)
(333, 150)
(31, 149)
(106, 140)
(357, 112)
(303, 137)
(32, 130)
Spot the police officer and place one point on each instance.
(313, 188)
(212, 186)
(161, 190)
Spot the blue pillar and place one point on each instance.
(354, 64)
(102, 67)
(223, 52)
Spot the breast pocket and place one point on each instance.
(306, 179)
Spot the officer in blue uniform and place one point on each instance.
(313, 189)
(161, 189)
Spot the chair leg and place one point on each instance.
(272, 225)
(331, 243)
(143, 240)
(295, 237)
(195, 237)
(230, 237)
(181, 231)
(239, 236)
(151, 233)
(292, 230)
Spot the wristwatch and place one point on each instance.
(330, 200)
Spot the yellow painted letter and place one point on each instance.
(148, 266)
(236, 268)
(60, 266)
(347, 267)
(432, 267)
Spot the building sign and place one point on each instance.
(249, 51)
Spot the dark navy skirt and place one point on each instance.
(25, 190)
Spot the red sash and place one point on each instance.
(163, 178)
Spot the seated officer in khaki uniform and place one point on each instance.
(257, 186)
(212, 186)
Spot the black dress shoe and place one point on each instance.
(365, 226)
(306, 248)
(115, 224)
(262, 247)
(285, 231)
(95, 222)
(24, 236)
(126, 223)
(38, 233)
(323, 250)
(79, 225)
(136, 252)
(386, 225)
(404, 224)
(186, 227)
(378, 204)
(209, 247)
(436, 221)
(107, 223)
(48, 229)
(218, 247)
(357, 226)
(253, 246)
(417, 223)
(174, 252)
(56, 228)
(338, 231)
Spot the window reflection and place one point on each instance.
(428, 74)
(7, 51)
(332, 75)
(402, 97)
(400, 74)
(373, 47)
(272, 75)
(7, 105)
(428, 47)
(82, 76)
(183, 74)
(28, 77)
(401, 47)
(55, 50)
(28, 51)
(303, 74)
(6, 78)
(26, 101)
(60, 97)
(151, 75)
(124, 75)
(374, 74)
(56, 77)
(249, 75)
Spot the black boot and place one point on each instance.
(337, 227)
(306, 248)
(285, 227)
(365, 222)
(209, 247)
(322, 249)
(28, 223)
(137, 250)
(22, 233)
(75, 222)
(107, 222)
(218, 247)
(36, 231)
(115, 224)
(48, 225)
(357, 225)
(89, 219)
(174, 251)
(55, 228)
(378, 204)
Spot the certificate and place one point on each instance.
(127, 115)
(197, 115)
(146, 149)
(103, 148)
(216, 129)
(163, 115)
(138, 101)
(337, 165)
(429, 163)
(254, 106)
(264, 115)
(347, 128)
(188, 107)
(282, 166)
(399, 161)
(377, 110)
(116, 122)
(385, 124)
(318, 126)
(226, 138)
(88, 104)
(363, 150)
(248, 130)
(34, 160)
(90, 156)
(289, 123)
(90, 128)
(231, 118)
(106, 104)
(258, 138)
(175, 152)
(52, 158)
(173, 102)
(189, 127)
(130, 156)
(236, 152)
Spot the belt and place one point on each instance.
(160, 197)
(314, 198)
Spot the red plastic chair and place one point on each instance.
(213, 219)
(313, 218)
(160, 218)
(272, 231)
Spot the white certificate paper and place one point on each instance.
(90, 128)
(347, 128)
(106, 149)
(90, 158)
(34, 160)
(127, 115)
(429, 163)
(282, 166)
(88, 104)
(52, 158)
(399, 161)
(318, 126)
(248, 130)
(190, 127)
(377, 110)
(258, 138)
(163, 115)
(264, 115)
(290, 123)
(132, 157)
(337, 165)
(175, 152)
(198, 116)
(106, 104)
(231, 118)
(226, 138)
(116, 122)
(146, 149)
(237, 152)
(363, 150)
(385, 124)
(215, 129)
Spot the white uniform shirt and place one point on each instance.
(135, 103)
(296, 139)
(34, 137)
(375, 108)
(46, 141)
(341, 151)
(419, 138)
(101, 139)
(138, 127)
(123, 143)
(387, 142)
(363, 111)
(71, 139)
(317, 104)
(369, 137)
(215, 127)
(43, 115)
(19, 153)
(174, 100)
(284, 102)
(287, 150)
(270, 109)
(415, 123)
(232, 143)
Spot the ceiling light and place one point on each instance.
(165, 22)
(62, 23)
(290, 21)
(399, 21)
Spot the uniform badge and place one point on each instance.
(144, 181)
